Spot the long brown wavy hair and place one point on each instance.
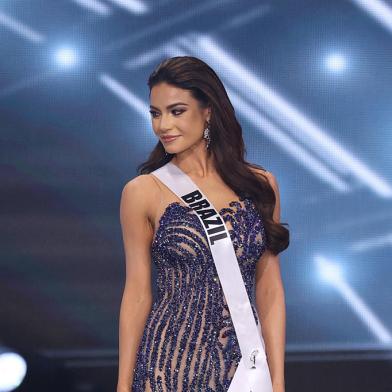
(226, 144)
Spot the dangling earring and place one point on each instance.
(207, 135)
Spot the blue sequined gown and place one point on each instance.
(189, 342)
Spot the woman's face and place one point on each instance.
(174, 112)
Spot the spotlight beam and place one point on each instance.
(127, 96)
(134, 6)
(286, 143)
(21, 29)
(95, 6)
(295, 122)
(379, 10)
(332, 274)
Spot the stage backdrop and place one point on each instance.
(311, 85)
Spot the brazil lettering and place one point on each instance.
(212, 221)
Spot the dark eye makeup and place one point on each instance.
(153, 112)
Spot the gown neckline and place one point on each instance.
(224, 209)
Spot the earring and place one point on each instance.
(207, 135)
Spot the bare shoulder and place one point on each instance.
(136, 202)
(139, 194)
(141, 183)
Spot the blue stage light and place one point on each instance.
(66, 57)
(336, 62)
(330, 272)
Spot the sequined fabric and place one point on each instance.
(189, 342)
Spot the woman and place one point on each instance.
(185, 340)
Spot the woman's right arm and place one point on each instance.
(137, 295)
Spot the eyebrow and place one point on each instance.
(170, 106)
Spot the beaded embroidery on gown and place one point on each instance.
(189, 342)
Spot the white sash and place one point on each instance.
(252, 373)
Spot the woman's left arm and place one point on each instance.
(270, 303)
